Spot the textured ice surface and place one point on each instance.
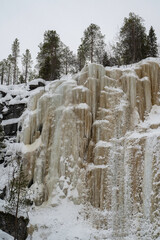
(95, 140)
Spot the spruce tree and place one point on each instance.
(9, 69)
(17, 191)
(15, 55)
(45, 68)
(26, 62)
(2, 70)
(49, 56)
(152, 43)
(93, 44)
(132, 45)
(67, 61)
(105, 61)
(81, 57)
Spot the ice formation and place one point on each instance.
(96, 138)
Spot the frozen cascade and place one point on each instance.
(148, 158)
(93, 139)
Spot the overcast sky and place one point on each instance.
(27, 20)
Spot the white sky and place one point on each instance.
(27, 20)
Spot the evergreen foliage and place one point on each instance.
(15, 55)
(81, 58)
(92, 47)
(105, 60)
(49, 56)
(2, 70)
(9, 69)
(68, 61)
(132, 44)
(26, 62)
(17, 191)
(55, 58)
(152, 43)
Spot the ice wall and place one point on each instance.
(95, 138)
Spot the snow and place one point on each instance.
(83, 106)
(150, 144)
(4, 177)
(81, 87)
(113, 89)
(99, 122)
(5, 236)
(134, 65)
(32, 147)
(15, 94)
(92, 166)
(10, 121)
(153, 117)
(37, 81)
(63, 222)
(103, 144)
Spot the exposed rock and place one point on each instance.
(36, 83)
(3, 193)
(7, 224)
(1, 107)
(2, 145)
(2, 93)
(10, 129)
(14, 111)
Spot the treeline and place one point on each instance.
(9, 70)
(55, 58)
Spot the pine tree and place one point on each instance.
(2, 70)
(67, 61)
(17, 191)
(105, 60)
(26, 63)
(81, 57)
(132, 46)
(15, 55)
(9, 69)
(93, 44)
(6, 70)
(21, 79)
(49, 56)
(45, 68)
(152, 43)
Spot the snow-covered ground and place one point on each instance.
(63, 222)
(5, 236)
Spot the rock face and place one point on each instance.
(7, 224)
(2, 145)
(96, 138)
(11, 118)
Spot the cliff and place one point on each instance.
(95, 139)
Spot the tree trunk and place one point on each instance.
(66, 68)
(9, 70)
(17, 208)
(92, 50)
(2, 76)
(134, 45)
(15, 71)
(26, 73)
